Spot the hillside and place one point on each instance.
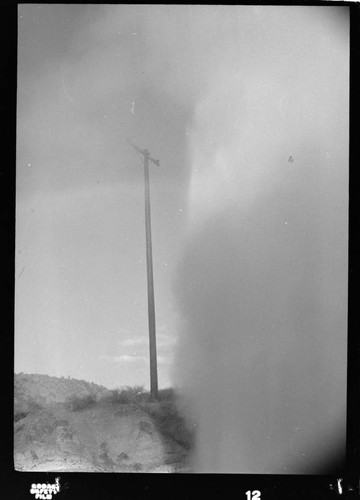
(73, 425)
(44, 389)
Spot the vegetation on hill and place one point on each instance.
(34, 392)
(164, 412)
(45, 389)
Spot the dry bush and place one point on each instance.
(19, 415)
(170, 423)
(24, 407)
(78, 403)
(126, 395)
(166, 394)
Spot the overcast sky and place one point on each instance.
(91, 76)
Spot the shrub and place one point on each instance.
(133, 393)
(126, 395)
(78, 403)
(166, 394)
(25, 406)
(33, 406)
(171, 423)
(142, 398)
(18, 415)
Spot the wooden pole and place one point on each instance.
(150, 284)
(150, 277)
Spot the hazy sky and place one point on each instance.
(203, 88)
(89, 77)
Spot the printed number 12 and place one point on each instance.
(253, 495)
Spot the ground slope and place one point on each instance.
(105, 438)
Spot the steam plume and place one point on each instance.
(262, 283)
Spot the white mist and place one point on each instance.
(262, 286)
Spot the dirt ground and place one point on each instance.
(122, 438)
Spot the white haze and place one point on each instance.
(262, 286)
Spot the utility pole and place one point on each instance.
(150, 278)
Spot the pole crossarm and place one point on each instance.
(146, 153)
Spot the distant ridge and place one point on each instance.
(45, 389)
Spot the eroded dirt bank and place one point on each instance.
(104, 438)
